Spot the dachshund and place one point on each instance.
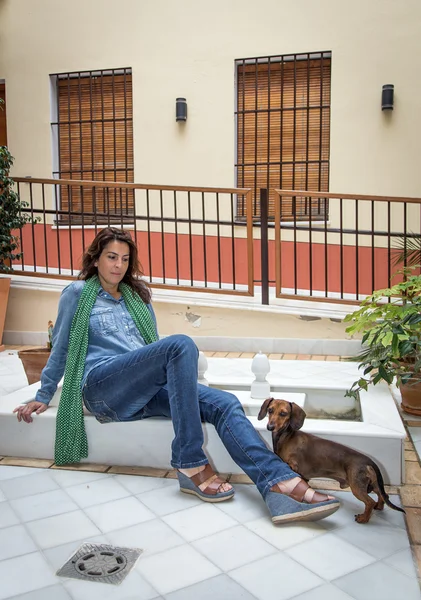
(311, 456)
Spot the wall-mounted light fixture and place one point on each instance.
(387, 97)
(180, 109)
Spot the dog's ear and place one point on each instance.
(264, 409)
(297, 416)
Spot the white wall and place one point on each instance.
(188, 48)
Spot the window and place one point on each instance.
(94, 137)
(283, 129)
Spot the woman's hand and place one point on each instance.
(25, 411)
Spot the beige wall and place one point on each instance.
(188, 48)
(30, 311)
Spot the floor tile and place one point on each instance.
(61, 529)
(58, 555)
(7, 472)
(152, 536)
(24, 574)
(415, 433)
(403, 561)
(247, 505)
(97, 492)
(285, 536)
(345, 516)
(175, 569)
(221, 587)
(15, 541)
(390, 516)
(275, 574)
(28, 485)
(119, 514)
(378, 539)
(328, 591)
(379, 582)
(43, 505)
(329, 556)
(54, 592)
(7, 515)
(134, 587)
(168, 500)
(198, 521)
(233, 548)
(68, 478)
(139, 485)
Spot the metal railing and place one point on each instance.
(349, 253)
(187, 237)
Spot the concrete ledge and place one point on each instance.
(147, 443)
(139, 443)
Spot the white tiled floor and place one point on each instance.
(191, 550)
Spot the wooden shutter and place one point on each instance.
(95, 131)
(283, 130)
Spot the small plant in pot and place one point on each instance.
(390, 320)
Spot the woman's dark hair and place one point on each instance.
(133, 274)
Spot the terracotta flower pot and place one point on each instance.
(411, 397)
(34, 360)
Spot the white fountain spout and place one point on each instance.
(260, 388)
(202, 367)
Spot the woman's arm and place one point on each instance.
(54, 369)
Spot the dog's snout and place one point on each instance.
(270, 426)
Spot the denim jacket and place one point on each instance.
(112, 331)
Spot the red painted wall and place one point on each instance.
(198, 255)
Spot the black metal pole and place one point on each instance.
(264, 248)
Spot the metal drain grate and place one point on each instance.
(100, 562)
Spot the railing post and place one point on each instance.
(264, 247)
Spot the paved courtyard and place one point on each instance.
(193, 550)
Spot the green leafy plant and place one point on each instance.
(390, 320)
(12, 214)
(407, 250)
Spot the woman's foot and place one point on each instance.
(205, 483)
(294, 500)
(299, 490)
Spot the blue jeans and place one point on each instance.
(161, 380)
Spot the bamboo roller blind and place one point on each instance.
(283, 130)
(95, 132)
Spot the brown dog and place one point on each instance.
(311, 456)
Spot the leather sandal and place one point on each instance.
(293, 507)
(299, 494)
(190, 485)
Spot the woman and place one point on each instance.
(106, 344)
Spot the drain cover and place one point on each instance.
(100, 562)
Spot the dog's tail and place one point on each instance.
(379, 478)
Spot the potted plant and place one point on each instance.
(35, 359)
(390, 320)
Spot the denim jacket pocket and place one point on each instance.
(102, 321)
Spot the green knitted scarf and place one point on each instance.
(71, 441)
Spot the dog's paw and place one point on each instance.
(361, 518)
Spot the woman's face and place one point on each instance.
(113, 264)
